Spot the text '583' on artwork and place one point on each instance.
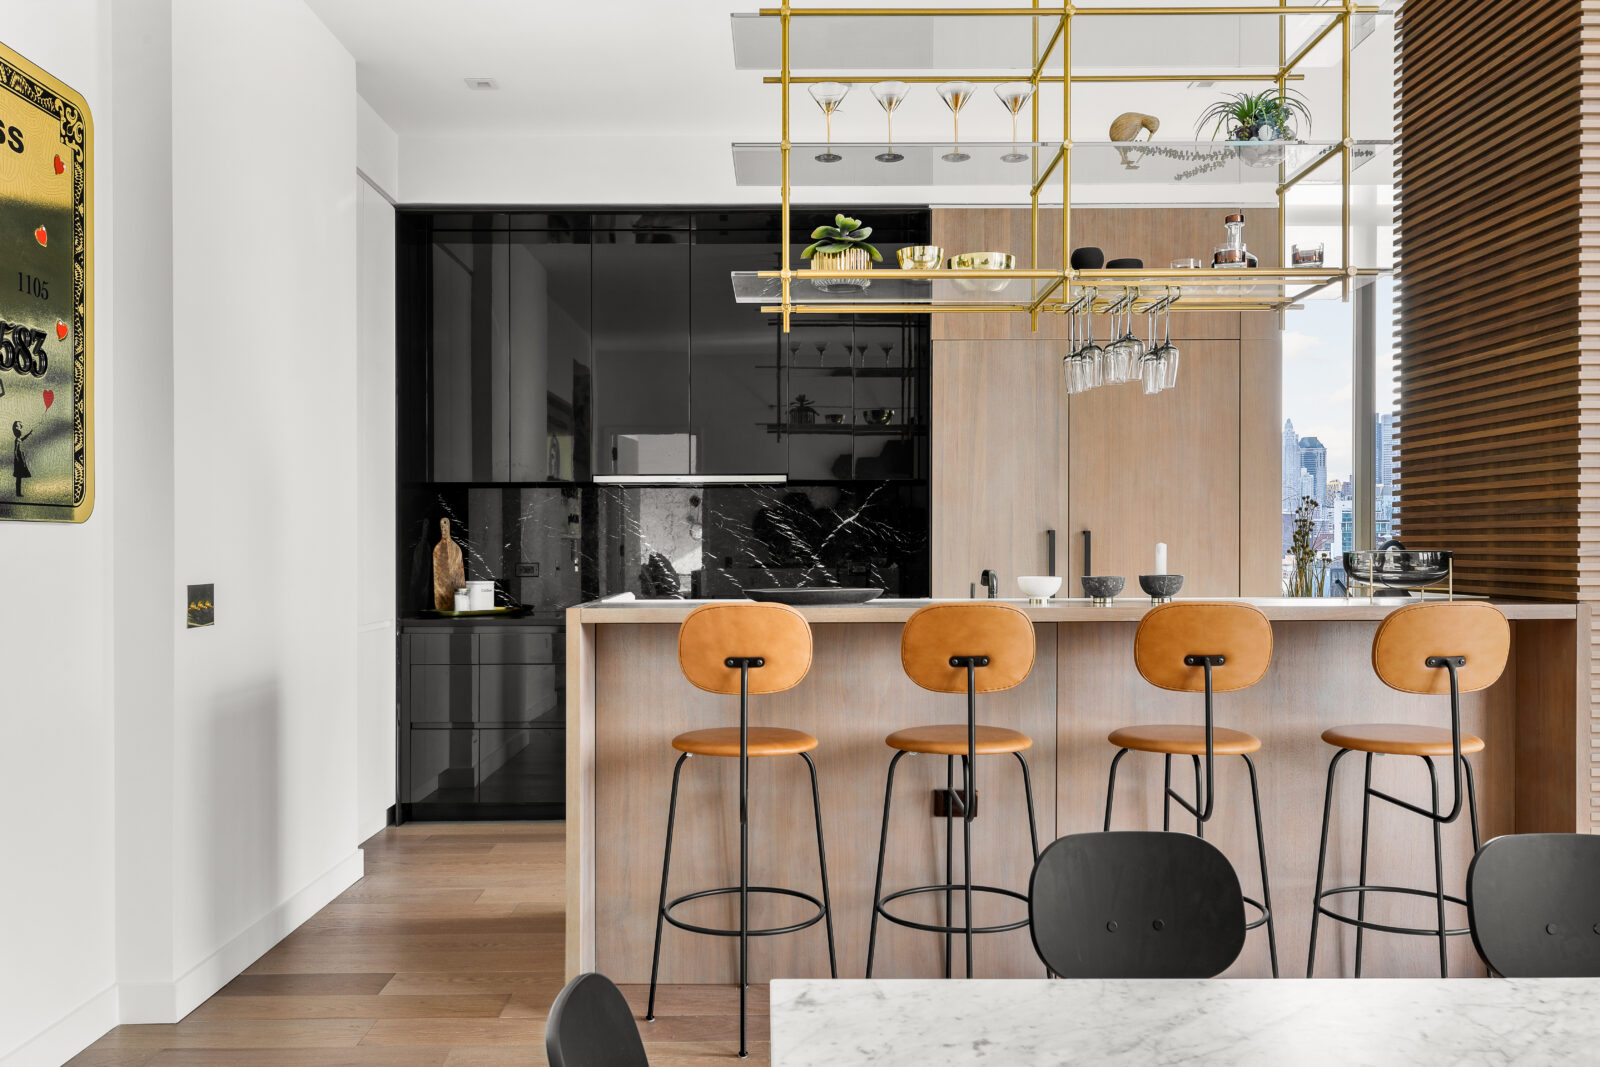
(46, 297)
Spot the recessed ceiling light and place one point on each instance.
(1202, 85)
(481, 83)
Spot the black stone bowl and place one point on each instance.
(816, 595)
(1088, 258)
(1125, 264)
(1102, 586)
(1161, 586)
(1399, 568)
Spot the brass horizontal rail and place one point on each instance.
(1043, 79)
(1061, 13)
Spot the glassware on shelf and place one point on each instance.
(890, 95)
(1306, 257)
(1233, 255)
(1187, 263)
(829, 95)
(1014, 95)
(955, 96)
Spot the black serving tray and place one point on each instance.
(814, 597)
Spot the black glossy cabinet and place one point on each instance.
(482, 721)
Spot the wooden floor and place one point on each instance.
(447, 954)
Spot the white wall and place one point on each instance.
(57, 951)
(181, 799)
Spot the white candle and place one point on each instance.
(1161, 557)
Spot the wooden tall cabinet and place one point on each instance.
(1013, 456)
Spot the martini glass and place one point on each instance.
(955, 96)
(829, 95)
(1014, 95)
(890, 95)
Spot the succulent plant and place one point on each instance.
(843, 235)
(1245, 113)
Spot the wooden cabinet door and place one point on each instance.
(999, 462)
(1162, 468)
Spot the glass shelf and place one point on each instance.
(841, 372)
(939, 288)
(1093, 163)
(1202, 43)
(842, 428)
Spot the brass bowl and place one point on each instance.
(920, 257)
(983, 261)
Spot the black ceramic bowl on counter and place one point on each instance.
(1398, 568)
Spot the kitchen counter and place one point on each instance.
(627, 698)
(1044, 1024)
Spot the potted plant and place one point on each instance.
(842, 246)
(1271, 115)
(801, 411)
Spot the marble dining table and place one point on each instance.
(1040, 1023)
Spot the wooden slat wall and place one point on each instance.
(1499, 307)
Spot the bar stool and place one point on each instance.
(1198, 647)
(942, 649)
(1449, 647)
(719, 645)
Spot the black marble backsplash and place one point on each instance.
(551, 547)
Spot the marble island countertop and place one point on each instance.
(1038, 1023)
(1060, 609)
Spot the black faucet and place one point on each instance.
(991, 580)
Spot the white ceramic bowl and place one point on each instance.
(1039, 586)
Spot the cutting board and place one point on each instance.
(449, 574)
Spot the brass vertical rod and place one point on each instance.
(1344, 150)
(1033, 199)
(1283, 167)
(784, 232)
(1067, 12)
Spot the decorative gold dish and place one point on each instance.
(920, 257)
(983, 261)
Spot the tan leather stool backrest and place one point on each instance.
(776, 632)
(1407, 637)
(935, 633)
(1237, 632)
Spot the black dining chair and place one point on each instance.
(1135, 904)
(591, 1025)
(1533, 904)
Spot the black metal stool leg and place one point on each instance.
(1199, 820)
(1438, 870)
(883, 842)
(1166, 794)
(1361, 898)
(1472, 804)
(1111, 784)
(822, 861)
(661, 910)
(1261, 851)
(1322, 862)
(949, 856)
(1027, 790)
(969, 778)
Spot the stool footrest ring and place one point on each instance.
(1368, 924)
(1262, 908)
(822, 912)
(936, 928)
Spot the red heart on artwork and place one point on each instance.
(49, 398)
(61, 330)
(40, 236)
(60, 166)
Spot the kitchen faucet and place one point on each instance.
(992, 581)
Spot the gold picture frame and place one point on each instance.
(46, 296)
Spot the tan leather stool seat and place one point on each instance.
(764, 741)
(1398, 739)
(952, 740)
(1178, 740)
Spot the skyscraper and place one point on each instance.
(1314, 461)
(1291, 468)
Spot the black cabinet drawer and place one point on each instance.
(441, 694)
(519, 693)
(439, 647)
(494, 767)
(516, 647)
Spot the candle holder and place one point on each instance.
(1161, 587)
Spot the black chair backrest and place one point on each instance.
(1135, 904)
(1533, 902)
(591, 1025)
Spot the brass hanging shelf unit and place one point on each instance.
(1035, 44)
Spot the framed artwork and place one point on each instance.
(46, 297)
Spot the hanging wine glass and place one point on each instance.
(822, 346)
(1167, 350)
(829, 95)
(887, 346)
(1153, 364)
(955, 96)
(890, 95)
(1093, 354)
(1122, 354)
(1014, 95)
(794, 353)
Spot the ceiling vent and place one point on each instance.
(481, 84)
(1202, 85)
